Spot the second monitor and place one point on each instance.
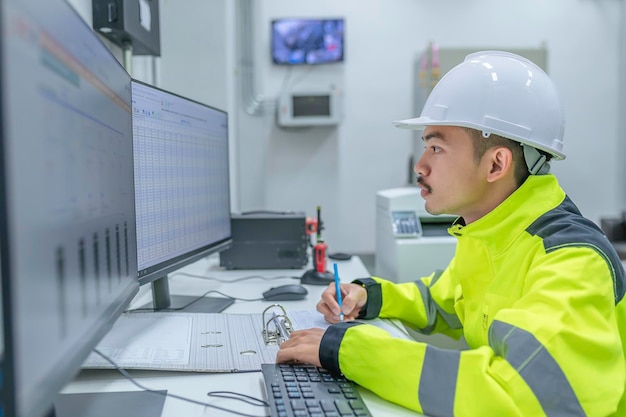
(182, 189)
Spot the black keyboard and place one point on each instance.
(305, 390)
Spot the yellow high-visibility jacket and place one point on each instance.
(536, 289)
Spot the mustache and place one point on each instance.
(421, 182)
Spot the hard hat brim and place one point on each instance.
(420, 123)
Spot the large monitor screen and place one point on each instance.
(67, 220)
(182, 187)
(307, 41)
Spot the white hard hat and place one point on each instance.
(501, 93)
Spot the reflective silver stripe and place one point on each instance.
(438, 381)
(432, 308)
(436, 275)
(537, 367)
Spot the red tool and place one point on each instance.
(318, 275)
(320, 247)
(320, 255)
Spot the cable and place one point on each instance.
(200, 297)
(227, 296)
(238, 396)
(283, 87)
(126, 375)
(251, 212)
(232, 280)
(303, 75)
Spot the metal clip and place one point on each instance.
(282, 326)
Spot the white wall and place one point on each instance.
(342, 168)
(196, 60)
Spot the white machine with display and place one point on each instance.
(410, 243)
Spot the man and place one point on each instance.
(536, 289)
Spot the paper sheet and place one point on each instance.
(140, 340)
(305, 319)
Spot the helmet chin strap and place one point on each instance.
(536, 162)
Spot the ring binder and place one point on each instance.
(208, 342)
(282, 326)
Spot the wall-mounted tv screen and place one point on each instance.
(307, 41)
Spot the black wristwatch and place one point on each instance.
(372, 307)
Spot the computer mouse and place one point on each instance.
(287, 292)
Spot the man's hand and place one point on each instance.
(303, 346)
(354, 298)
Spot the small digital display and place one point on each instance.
(405, 224)
(305, 106)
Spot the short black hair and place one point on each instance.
(482, 144)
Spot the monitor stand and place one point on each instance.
(107, 404)
(163, 301)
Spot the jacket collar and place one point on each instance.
(500, 227)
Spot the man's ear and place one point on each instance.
(500, 163)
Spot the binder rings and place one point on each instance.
(206, 342)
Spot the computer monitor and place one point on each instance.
(68, 263)
(182, 189)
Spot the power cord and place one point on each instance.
(126, 375)
(239, 397)
(248, 213)
(226, 281)
(200, 297)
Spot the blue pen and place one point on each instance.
(338, 290)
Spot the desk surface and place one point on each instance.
(197, 385)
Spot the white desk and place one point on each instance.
(196, 385)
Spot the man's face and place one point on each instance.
(451, 179)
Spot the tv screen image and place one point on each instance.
(307, 41)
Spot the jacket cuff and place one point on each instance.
(374, 303)
(329, 346)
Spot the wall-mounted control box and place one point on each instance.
(309, 108)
